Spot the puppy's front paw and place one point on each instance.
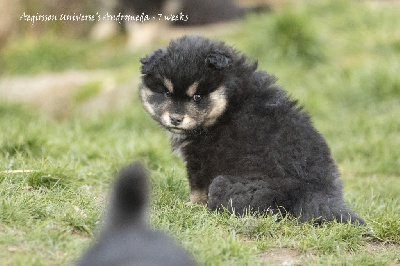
(198, 197)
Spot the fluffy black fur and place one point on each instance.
(125, 238)
(262, 151)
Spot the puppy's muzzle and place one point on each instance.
(176, 119)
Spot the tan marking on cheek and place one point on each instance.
(144, 94)
(168, 84)
(187, 122)
(218, 106)
(192, 89)
(166, 119)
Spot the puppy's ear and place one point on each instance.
(218, 60)
(151, 60)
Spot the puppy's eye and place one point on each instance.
(167, 94)
(196, 97)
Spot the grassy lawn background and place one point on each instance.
(340, 59)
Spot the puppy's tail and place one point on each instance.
(129, 200)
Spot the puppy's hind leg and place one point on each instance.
(239, 194)
(343, 214)
(325, 207)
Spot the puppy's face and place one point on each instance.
(180, 113)
(183, 87)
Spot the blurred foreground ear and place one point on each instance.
(151, 60)
(218, 60)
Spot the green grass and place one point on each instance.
(87, 91)
(29, 55)
(343, 68)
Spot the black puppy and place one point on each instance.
(245, 142)
(126, 238)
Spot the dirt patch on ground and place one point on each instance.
(281, 256)
(376, 247)
(379, 246)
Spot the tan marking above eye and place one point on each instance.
(192, 89)
(168, 84)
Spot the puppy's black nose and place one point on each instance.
(176, 119)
